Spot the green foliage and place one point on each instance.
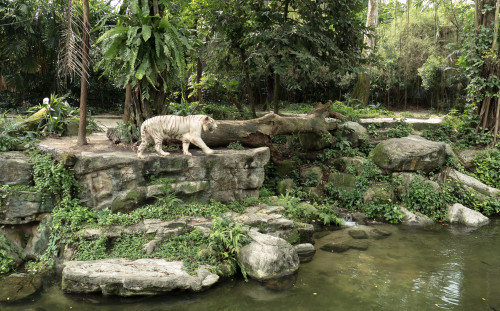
(421, 197)
(51, 177)
(145, 50)
(296, 210)
(12, 135)
(226, 239)
(402, 129)
(8, 254)
(235, 145)
(91, 249)
(127, 132)
(358, 111)
(487, 167)
(387, 211)
(130, 246)
(57, 115)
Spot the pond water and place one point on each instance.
(415, 268)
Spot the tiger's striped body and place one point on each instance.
(186, 129)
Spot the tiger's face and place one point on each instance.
(209, 124)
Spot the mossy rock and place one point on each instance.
(345, 164)
(312, 141)
(380, 193)
(342, 180)
(285, 168)
(285, 185)
(131, 200)
(311, 176)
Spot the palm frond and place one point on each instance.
(71, 53)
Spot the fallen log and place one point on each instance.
(259, 131)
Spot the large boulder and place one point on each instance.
(131, 278)
(470, 182)
(18, 286)
(122, 182)
(356, 133)
(15, 169)
(411, 218)
(412, 153)
(457, 213)
(268, 258)
(21, 207)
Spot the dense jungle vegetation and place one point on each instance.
(231, 58)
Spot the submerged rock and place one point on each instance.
(18, 286)
(410, 218)
(268, 257)
(411, 154)
(305, 251)
(132, 277)
(345, 245)
(457, 213)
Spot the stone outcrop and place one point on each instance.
(472, 183)
(15, 169)
(410, 218)
(121, 182)
(410, 154)
(18, 286)
(356, 133)
(457, 213)
(130, 278)
(21, 207)
(357, 238)
(268, 258)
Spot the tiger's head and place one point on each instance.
(209, 124)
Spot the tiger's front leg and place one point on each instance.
(185, 147)
(159, 150)
(200, 143)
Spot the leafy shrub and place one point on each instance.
(402, 129)
(7, 252)
(235, 145)
(387, 211)
(421, 197)
(487, 167)
(91, 250)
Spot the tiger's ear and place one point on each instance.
(206, 119)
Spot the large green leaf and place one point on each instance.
(141, 71)
(146, 32)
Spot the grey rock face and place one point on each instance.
(122, 182)
(457, 213)
(410, 218)
(130, 278)
(21, 207)
(357, 134)
(18, 286)
(305, 251)
(268, 257)
(470, 182)
(412, 153)
(15, 169)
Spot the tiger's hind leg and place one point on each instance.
(145, 138)
(185, 147)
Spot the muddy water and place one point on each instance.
(427, 268)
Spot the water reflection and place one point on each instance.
(429, 268)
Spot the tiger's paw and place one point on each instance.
(187, 153)
(140, 157)
(209, 151)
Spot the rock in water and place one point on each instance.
(18, 286)
(268, 257)
(457, 213)
(132, 277)
(410, 154)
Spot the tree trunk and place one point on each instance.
(82, 127)
(276, 93)
(362, 88)
(258, 132)
(128, 100)
(247, 81)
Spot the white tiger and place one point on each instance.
(186, 129)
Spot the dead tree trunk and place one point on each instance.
(258, 132)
